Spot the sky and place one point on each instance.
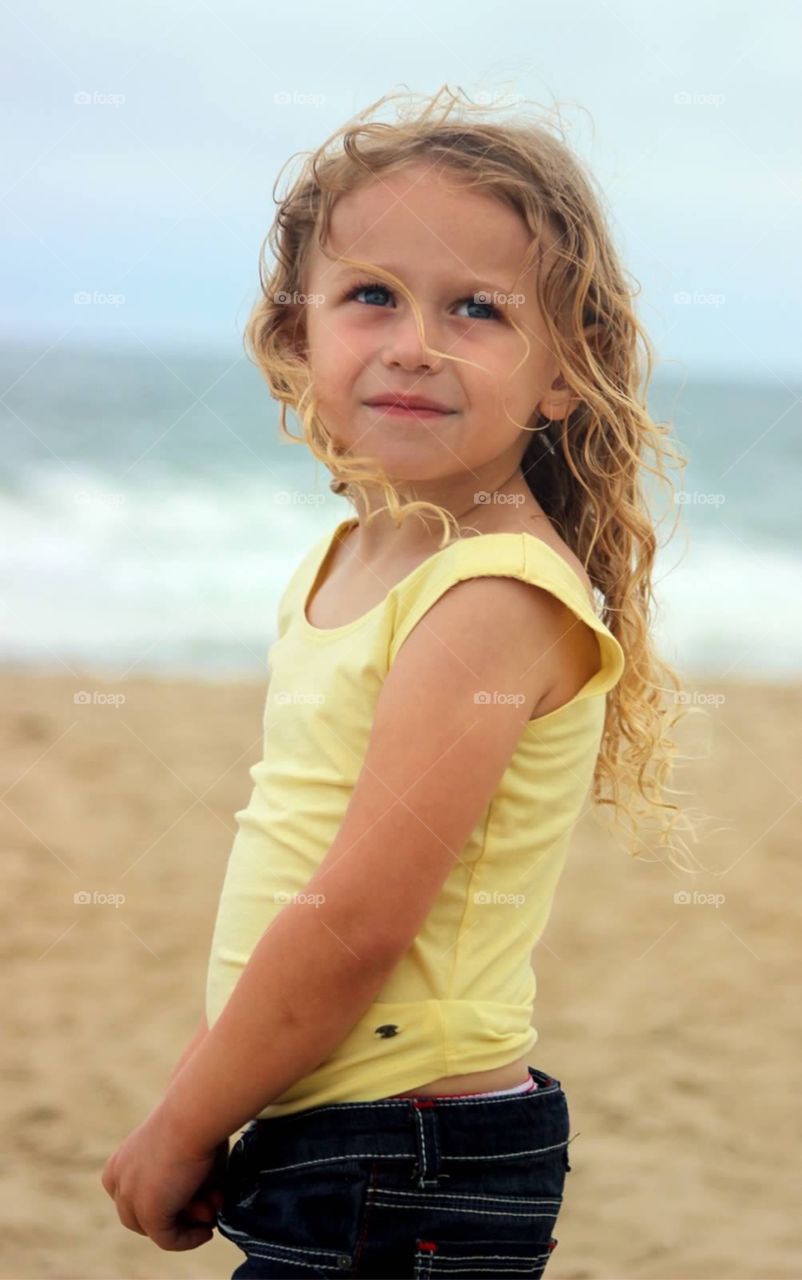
(142, 142)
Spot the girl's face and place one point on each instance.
(459, 253)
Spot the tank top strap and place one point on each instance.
(508, 555)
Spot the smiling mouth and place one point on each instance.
(405, 411)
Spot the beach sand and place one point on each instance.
(673, 1026)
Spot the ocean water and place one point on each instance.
(151, 516)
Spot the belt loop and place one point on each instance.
(426, 1172)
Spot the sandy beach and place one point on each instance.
(673, 1025)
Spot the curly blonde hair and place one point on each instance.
(586, 470)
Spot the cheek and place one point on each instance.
(519, 381)
(352, 335)
(493, 360)
(332, 386)
(337, 347)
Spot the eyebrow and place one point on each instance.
(470, 286)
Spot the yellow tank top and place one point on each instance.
(461, 998)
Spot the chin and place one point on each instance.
(413, 465)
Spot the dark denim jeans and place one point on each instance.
(406, 1188)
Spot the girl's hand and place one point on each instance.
(162, 1191)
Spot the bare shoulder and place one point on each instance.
(542, 635)
(534, 521)
(487, 634)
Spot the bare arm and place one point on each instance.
(433, 764)
(198, 1036)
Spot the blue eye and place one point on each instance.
(471, 302)
(373, 286)
(369, 286)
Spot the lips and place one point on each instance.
(410, 404)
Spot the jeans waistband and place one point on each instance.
(434, 1133)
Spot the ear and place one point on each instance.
(559, 402)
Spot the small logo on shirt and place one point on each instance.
(386, 1030)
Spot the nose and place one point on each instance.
(406, 350)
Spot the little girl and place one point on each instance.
(449, 319)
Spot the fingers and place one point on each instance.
(177, 1239)
(128, 1219)
(200, 1211)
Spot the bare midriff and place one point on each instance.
(477, 1082)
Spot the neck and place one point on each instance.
(474, 507)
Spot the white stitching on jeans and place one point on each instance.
(422, 1134)
(509, 1155)
(327, 1254)
(482, 1213)
(424, 1262)
(426, 1197)
(357, 1155)
(492, 1257)
(381, 1155)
